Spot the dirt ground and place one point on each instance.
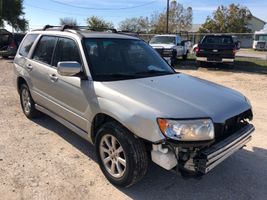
(41, 159)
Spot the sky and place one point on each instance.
(42, 12)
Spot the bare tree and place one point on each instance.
(136, 24)
(68, 21)
(180, 19)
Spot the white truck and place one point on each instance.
(260, 40)
(170, 47)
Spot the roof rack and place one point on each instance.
(64, 27)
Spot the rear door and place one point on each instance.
(40, 69)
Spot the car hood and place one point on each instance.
(165, 46)
(177, 96)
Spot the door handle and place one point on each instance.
(53, 77)
(29, 67)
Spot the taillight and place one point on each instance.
(197, 49)
(234, 51)
(12, 45)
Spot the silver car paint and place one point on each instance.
(135, 103)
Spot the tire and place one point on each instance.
(185, 56)
(127, 154)
(27, 103)
(173, 61)
(199, 63)
(5, 57)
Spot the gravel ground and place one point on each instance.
(41, 159)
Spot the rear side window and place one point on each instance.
(218, 40)
(27, 44)
(66, 50)
(45, 49)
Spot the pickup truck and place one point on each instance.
(170, 47)
(216, 49)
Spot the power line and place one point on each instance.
(95, 8)
(69, 13)
(55, 11)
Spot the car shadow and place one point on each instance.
(81, 144)
(241, 176)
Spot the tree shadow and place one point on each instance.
(241, 176)
(251, 67)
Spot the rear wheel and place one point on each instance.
(27, 103)
(185, 56)
(121, 157)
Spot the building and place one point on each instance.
(256, 24)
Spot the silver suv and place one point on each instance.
(117, 92)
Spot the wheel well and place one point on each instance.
(102, 118)
(98, 120)
(20, 81)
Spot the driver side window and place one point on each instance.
(66, 50)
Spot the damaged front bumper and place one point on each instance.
(209, 158)
(197, 160)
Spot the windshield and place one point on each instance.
(119, 59)
(218, 40)
(261, 38)
(162, 40)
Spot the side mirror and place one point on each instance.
(68, 68)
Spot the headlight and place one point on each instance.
(187, 130)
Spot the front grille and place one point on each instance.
(160, 51)
(232, 125)
(261, 45)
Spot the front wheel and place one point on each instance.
(121, 157)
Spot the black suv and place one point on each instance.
(9, 43)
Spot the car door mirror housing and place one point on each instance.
(68, 68)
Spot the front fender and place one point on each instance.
(140, 122)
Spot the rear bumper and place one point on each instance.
(211, 157)
(223, 60)
(8, 53)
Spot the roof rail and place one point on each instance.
(64, 27)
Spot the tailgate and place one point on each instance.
(220, 51)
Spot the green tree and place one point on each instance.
(68, 21)
(97, 22)
(136, 24)
(11, 12)
(231, 19)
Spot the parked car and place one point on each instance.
(216, 49)
(9, 43)
(115, 91)
(170, 47)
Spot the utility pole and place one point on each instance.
(167, 17)
(1, 9)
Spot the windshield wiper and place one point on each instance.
(115, 76)
(153, 72)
